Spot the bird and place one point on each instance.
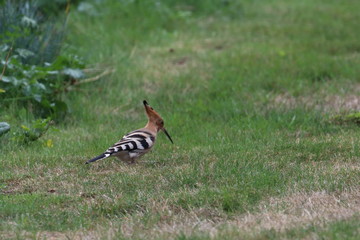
(138, 142)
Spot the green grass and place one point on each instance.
(247, 91)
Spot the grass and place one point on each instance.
(247, 91)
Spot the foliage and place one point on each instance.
(35, 69)
(39, 85)
(33, 131)
(25, 27)
(35, 73)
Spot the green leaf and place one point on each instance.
(2, 90)
(45, 103)
(12, 80)
(32, 132)
(4, 128)
(4, 48)
(37, 97)
(41, 123)
(24, 53)
(59, 108)
(28, 21)
(74, 73)
(7, 79)
(25, 128)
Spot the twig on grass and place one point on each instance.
(93, 79)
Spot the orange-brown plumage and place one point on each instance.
(155, 122)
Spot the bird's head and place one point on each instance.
(155, 119)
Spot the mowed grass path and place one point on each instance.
(247, 90)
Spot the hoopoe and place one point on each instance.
(138, 142)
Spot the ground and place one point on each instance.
(249, 91)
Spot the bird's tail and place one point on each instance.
(101, 156)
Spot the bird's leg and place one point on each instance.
(132, 161)
(125, 157)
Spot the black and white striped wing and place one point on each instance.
(135, 143)
(138, 141)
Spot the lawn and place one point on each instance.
(250, 92)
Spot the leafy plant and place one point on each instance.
(35, 74)
(39, 85)
(32, 132)
(24, 26)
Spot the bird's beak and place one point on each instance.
(167, 134)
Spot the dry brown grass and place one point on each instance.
(78, 235)
(302, 209)
(297, 210)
